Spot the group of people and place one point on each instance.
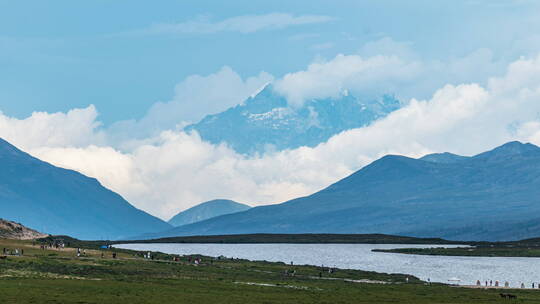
(16, 251)
(492, 283)
(56, 244)
(196, 261)
(83, 253)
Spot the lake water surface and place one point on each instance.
(360, 256)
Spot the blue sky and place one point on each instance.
(114, 81)
(59, 55)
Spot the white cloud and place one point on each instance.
(194, 97)
(173, 170)
(385, 66)
(364, 75)
(74, 128)
(322, 46)
(242, 24)
(304, 36)
(388, 47)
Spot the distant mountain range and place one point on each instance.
(266, 122)
(59, 201)
(207, 210)
(491, 196)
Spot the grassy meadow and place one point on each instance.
(59, 276)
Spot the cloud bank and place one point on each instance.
(194, 97)
(242, 24)
(384, 66)
(171, 170)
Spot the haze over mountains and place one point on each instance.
(266, 121)
(491, 196)
(206, 210)
(59, 201)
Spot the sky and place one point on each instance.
(104, 87)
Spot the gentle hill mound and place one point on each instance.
(266, 238)
(16, 231)
(206, 211)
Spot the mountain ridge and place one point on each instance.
(491, 196)
(266, 122)
(61, 201)
(206, 210)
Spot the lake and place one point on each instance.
(360, 256)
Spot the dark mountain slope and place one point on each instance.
(492, 196)
(59, 201)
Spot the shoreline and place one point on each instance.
(44, 275)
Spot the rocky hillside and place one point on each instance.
(12, 230)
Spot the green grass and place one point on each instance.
(58, 276)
